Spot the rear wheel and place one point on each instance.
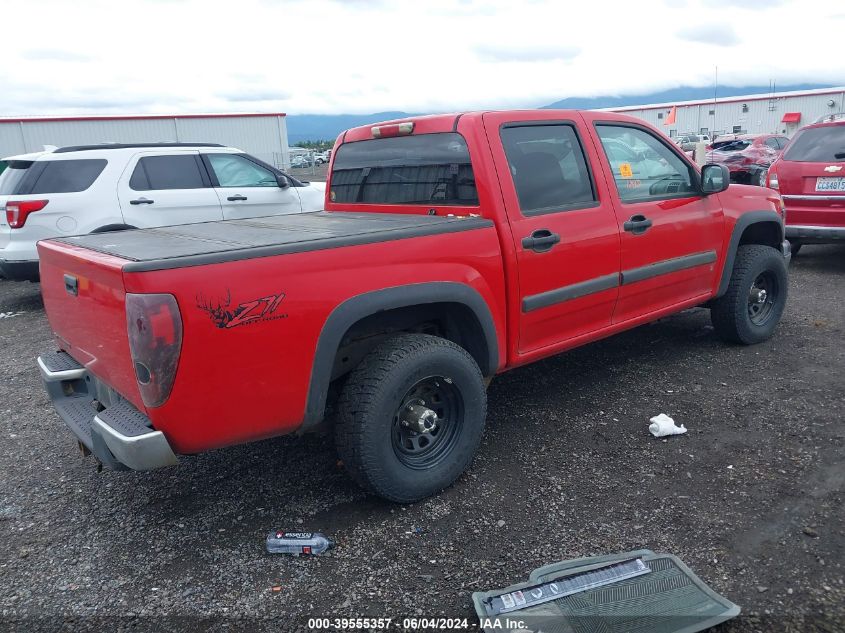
(752, 306)
(410, 417)
(795, 246)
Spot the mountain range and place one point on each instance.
(316, 127)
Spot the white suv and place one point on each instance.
(95, 188)
(689, 141)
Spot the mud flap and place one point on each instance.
(613, 594)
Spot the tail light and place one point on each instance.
(155, 340)
(18, 211)
(772, 180)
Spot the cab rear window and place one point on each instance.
(818, 145)
(426, 169)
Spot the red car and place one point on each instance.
(453, 248)
(747, 156)
(811, 179)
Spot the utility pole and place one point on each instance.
(715, 84)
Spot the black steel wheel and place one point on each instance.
(427, 422)
(753, 304)
(762, 297)
(410, 417)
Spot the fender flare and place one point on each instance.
(742, 223)
(360, 306)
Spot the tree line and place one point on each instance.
(317, 146)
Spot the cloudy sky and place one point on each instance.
(361, 56)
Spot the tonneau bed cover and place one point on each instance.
(230, 240)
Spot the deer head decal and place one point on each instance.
(218, 311)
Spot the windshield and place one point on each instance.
(12, 176)
(818, 145)
(424, 169)
(732, 146)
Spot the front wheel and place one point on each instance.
(751, 308)
(410, 417)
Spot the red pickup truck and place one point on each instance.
(452, 248)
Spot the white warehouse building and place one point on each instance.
(775, 113)
(262, 135)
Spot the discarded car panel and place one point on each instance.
(637, 590)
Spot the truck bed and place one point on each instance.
(231, 240)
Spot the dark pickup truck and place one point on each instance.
(452, 248)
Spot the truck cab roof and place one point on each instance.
(436, 123)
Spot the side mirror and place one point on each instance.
(714, 179)
(282, 181)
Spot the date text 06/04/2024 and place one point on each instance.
(406, 624)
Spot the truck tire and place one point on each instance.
(751, 308)
(410, 417)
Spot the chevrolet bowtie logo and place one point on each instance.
(832, 168)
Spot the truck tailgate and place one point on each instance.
(84, 299)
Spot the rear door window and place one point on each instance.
(179, 171)
(548, 167)
(51, 176)
(818, 145)
(429, 169)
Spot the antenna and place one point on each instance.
(715, 84)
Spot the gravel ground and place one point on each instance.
(751, 498)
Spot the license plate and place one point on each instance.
(830, 184)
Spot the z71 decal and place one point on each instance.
(262, 309)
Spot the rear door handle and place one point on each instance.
(540, 240)
(236, 197)
(637, 224)
(141, 201)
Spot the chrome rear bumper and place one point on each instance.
(107, 425)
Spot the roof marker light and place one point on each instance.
(394, 129)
